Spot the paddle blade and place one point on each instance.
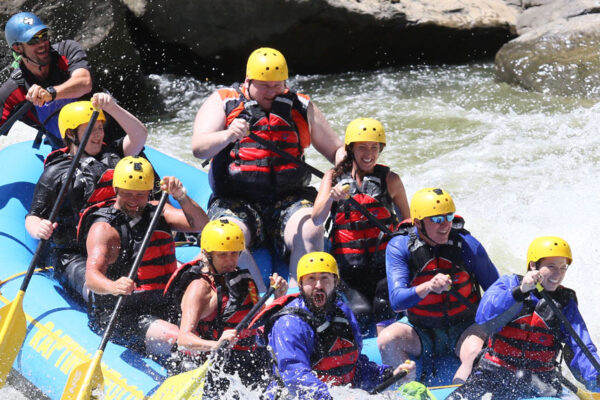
(85, 380)
(585, 395)
(13, 327)
(187, 385)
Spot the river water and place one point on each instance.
(518, 164)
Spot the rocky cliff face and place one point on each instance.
(558, 51)
(212, 38)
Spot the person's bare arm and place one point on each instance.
(136, 132)
(209, 135)
(198, 302)
(323, 136)
(103, 247)
(191, 217)
(398, 193)
(76, 86)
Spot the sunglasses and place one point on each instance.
(439, 219)
(38, 38)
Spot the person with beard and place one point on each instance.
(214, 295)
(434, 267)
(112, 234)
(315, 338)
(527, 336)
(91, 183)
(358, 245)
(49, 76)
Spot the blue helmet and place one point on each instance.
(21, 27)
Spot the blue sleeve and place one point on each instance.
(478, 262)
(498, 306)
(292, 340)
(368, 373)
(580, 365)
(402, 296)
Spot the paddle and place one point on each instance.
(582, 394)
(389, 382)
(87, 376)
(184, 385)
(568, 326)
(13, 326)
(15, 117)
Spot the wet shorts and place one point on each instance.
(130, 329)
(265, 220)
(438, 341)
(69, 271)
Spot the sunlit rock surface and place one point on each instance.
(562, 57)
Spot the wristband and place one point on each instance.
(184, 190)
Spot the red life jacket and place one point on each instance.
(236, 295)
(158, 262)
(336, 351)
(441, 310)
(531, 341)
(250, 170)
(355, 241)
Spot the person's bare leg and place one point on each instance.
(301, 236)
(467, 348)
(160, 337)
(398, 343)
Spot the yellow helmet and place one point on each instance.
(548, 246)
(267, 64)
(74, 114)
(133, 173)
(364, 130)
(222, 235)
(317, 261)
(429, 202)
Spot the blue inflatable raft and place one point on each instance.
(58, 337)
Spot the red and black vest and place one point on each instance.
(441, 310)
(336, 352)
(236, 295)
(92, 181)
(531, 341)
(249, 170)
(355, 241)
(158, 262)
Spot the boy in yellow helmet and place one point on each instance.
(527, 336)
(91, 182)
(112, 233)
(266, 195)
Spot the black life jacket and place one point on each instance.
(92, 181)
(250, 170)
(158, 262)
(532, 340)
(441, 310)
(236, 295)
(355, 240)
(336, 352)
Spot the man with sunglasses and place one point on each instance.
(435, 269)
(49, 76)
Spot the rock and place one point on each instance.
(535, 3)
(324, 35)
(554, 10)
(561, 58)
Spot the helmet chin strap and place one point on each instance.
(424, 232)
(40, 65)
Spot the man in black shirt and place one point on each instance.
(49, 76)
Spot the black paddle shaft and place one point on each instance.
(134, 268)
(274, 148)
(61, 196)
(14, 118)
(569, 328)
(246, 320)
(389, 382)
